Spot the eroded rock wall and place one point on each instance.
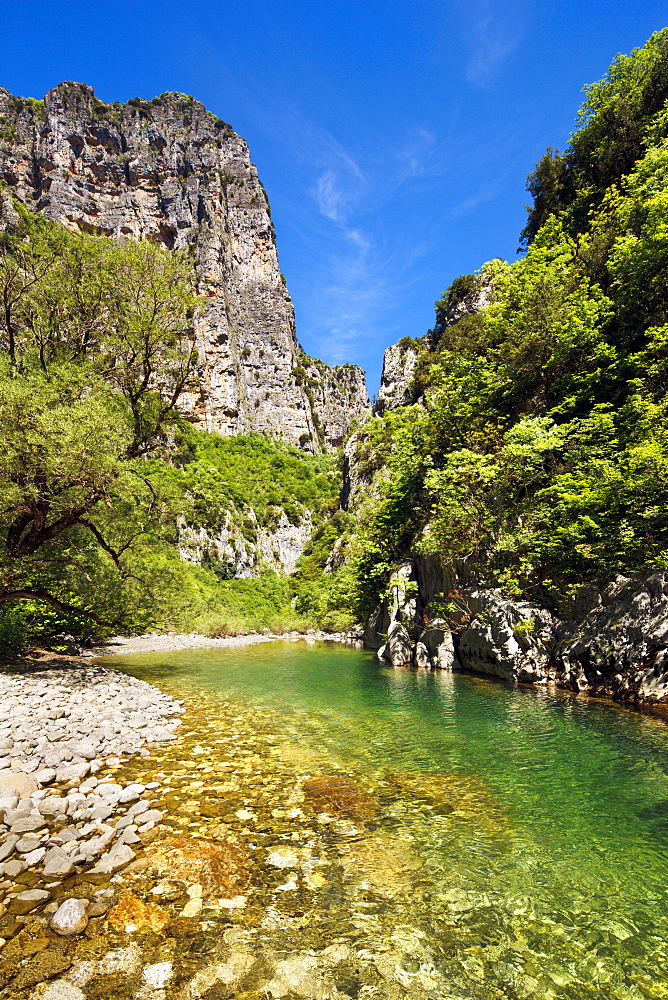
(616, 646)
(399, 364)
(234, 552)
(169, 170)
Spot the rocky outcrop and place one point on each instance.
(337, 396)
(617, 649)
(399, 631)
(620, 648)
(399, 363)
(474, 295)
(242, 550)
(356, 477)
(170, 171)
(505, 638)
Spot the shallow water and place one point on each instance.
(516, 845)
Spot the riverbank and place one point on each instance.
(153, 642)
(66, 727)
(59, 728)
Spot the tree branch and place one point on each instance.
(42, 595)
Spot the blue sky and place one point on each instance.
(393, 137)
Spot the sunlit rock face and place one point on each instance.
(399, 364)
(169, 170)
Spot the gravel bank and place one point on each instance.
(154, 643)
(58, 727)
(62, 719)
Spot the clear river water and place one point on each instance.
(414, 834)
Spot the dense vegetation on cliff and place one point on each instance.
(99, 473)
(538, 451)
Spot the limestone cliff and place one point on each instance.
(169, 170)
(337, 396)
(399, 363)
(233, 552)
(467, 296)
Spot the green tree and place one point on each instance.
(99, 346)
(552, 186)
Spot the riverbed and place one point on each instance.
(334, 828)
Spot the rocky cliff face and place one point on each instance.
(616, 647)
(233, 553)
(169, 170)
(338, 399)
(399, 363)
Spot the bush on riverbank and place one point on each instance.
(190, 599)
(200, 480)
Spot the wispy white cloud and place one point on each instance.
(493, 30)
(328, 196)
(419, 156)
(351, 293)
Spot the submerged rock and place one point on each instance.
(340, 795)
(219, 868)
(462, 797)
(29, 900)
(388, 863)
(133, 914)
(41, 968)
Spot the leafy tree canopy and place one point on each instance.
(98, 346)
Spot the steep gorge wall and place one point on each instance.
(169, 170)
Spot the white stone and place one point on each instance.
(157, 976)
(70, 917)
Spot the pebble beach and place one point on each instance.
(62, 721)
(58, 728)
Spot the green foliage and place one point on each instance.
(210, 476)
(324, 585)
(394, 451)
(619, 112)
(8, 131)
(98, 474)
(552, 187)
(98, 347)
(540, 456)
(623, 114)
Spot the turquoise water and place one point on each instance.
(540, 818)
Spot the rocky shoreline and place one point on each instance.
(94, 873)
(608, 644)
(58, 728)
(62, 720)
